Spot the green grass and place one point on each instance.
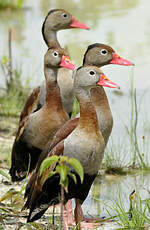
(12, 103)
(115, 158)
(13, 98)
(132, 150)
(11, 4)
(137, 217)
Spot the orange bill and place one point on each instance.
(120, 61)
(104, 81)
(67, 63)
(76, 24)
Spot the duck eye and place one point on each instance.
(55, 54)
(92, 73)
(104, 51)
(64, 15)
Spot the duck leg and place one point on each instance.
(88, 223)
(68, 219)
(71, 221)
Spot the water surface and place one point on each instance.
(124, 25)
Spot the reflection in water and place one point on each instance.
(106, 190)
(124, 25)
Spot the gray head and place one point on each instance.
(91, 76)
(59, 19)
(56, 58)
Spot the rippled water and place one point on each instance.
(125, 25)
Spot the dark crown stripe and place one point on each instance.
(90, 47)
(51, 11)
(79, 68)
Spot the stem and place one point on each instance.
(10, 56)
(132, 121)
(53, 221)
(135, 131)
(62, 205)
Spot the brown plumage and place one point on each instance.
(57, 19)
(85, 143)
(99, 55)
(36, 129)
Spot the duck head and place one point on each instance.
(59, 19)
(91, 76)
(57, 58)
(100, 54)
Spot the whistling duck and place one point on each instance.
(85, 143)
(57, 19)
(36, 129)
(99, 55)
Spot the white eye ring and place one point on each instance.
(104, 52)
(64, 15)
(92, 73)
(55, 54)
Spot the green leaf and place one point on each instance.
(73, 176)
(77, 166)
(63, 171)
(36, 226)
(50, 174)
(4, 60)
(4, 174)
(48, 162)
(63, 159)
(65, 184)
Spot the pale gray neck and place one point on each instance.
(50, 37)
(50, 74)
(82, 94)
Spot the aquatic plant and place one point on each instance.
(132, 128)
(14, 95)
(115, 158)
(134, 218)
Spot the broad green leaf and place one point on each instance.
(64, 184)
(73, 176)
(63, 171)
(77, 166)
(48, 162)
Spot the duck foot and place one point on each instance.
(89, 225)
(93, 220)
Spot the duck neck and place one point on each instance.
(105, 120)
(53, 98)
(88, 117)
(50, 36)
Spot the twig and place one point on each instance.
(53, 215)
(10, 55)
(62, 206)
(135, 130)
